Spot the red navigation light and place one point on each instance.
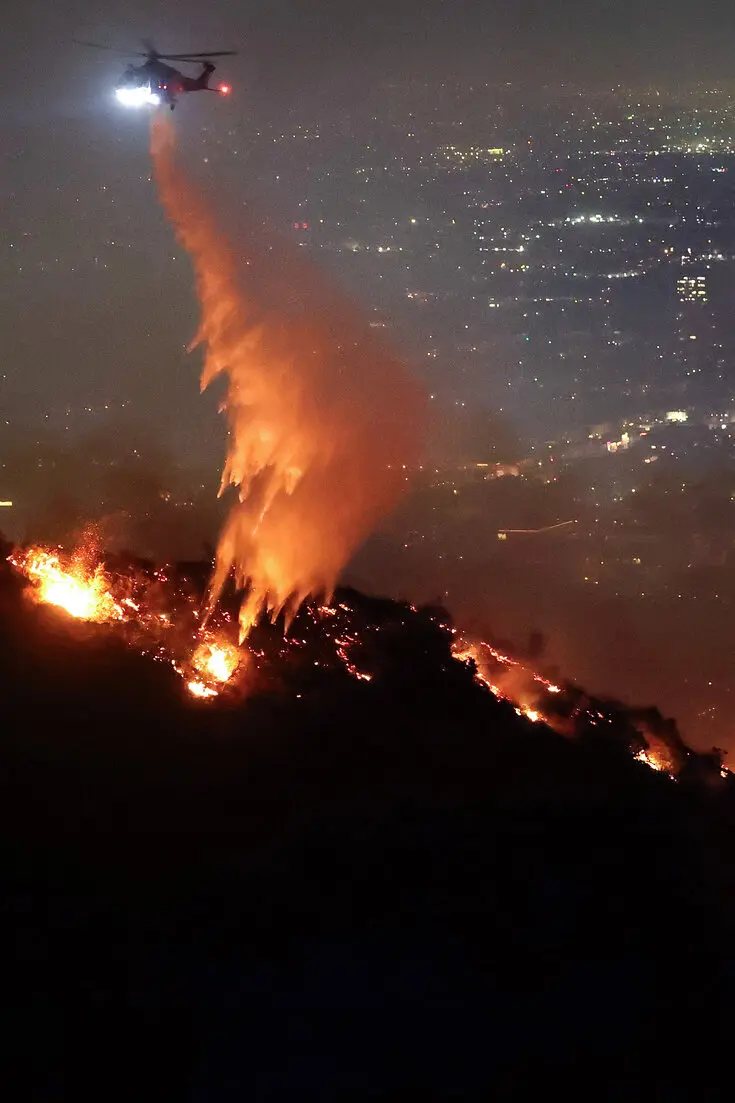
(224, 89)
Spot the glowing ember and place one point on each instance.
(342, 648)
(484, 657)
(74, 588)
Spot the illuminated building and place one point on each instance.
(691, 289)
(697, 346)
(617, 445)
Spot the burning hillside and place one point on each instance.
(160, 613)
(363, 805)
(151, 614)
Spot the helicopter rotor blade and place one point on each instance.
(111, 49)
(152, 53)
(197, 56)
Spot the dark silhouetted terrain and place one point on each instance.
(333, 890)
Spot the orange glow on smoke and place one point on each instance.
(323, 421)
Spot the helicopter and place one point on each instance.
(156, 83)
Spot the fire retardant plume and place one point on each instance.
(323, 421)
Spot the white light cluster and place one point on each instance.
(136, 97)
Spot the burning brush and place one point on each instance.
(81, 593)
(506, 678)
(159, 616)
(215, 663)
(156, 618)
(156, 613)
(653, 741)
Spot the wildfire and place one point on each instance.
(215, 662)
(321, 435)
(204, 656)
(198, 688)
(343, 646)
(91, 594)
(650, 760)
(487, 659)
(508, 680)
(81, 593)
(657, 755)
(159, 617)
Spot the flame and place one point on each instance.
(650, 760)
(216, 660)
(200, 689)
(81, 593)
(207, 660)
(656, 754)
(89, 593)
(320, 416)
(512, 682)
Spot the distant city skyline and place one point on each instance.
(469, 223)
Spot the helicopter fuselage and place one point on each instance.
(164, 81)
(154, 82)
